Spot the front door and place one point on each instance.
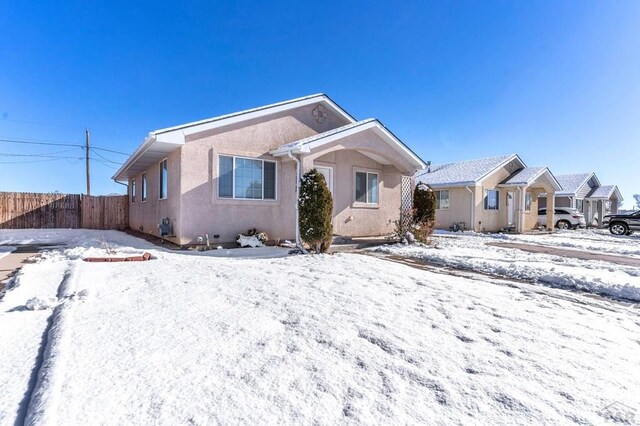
(327, 172)
(511, 205)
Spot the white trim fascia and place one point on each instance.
(249, 114)
(134, 157)
(373, 124)
(499, 166)
(532, 180)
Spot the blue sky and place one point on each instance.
(556, 82)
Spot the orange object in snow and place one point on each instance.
(145, 256)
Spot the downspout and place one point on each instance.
(123, 184)
(298, 240)
(473, 208)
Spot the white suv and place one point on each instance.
(566, 218)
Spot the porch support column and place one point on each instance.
(521, 218)
(614, 205)
(551, 207)
(600, 212)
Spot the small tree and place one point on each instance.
(424, 204)
(315, 207)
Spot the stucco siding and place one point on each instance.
(459, 209)
(145, 216)
(354, 219)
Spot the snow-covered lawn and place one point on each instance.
(323, 339)
(471, 251)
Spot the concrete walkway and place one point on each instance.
(11, 263)
(577, 254)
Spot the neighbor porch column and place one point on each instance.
(614, 205)
(600, 212)
(551, 206)
(521, 216)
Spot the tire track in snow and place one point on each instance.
(43, 393)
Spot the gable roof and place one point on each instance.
(529, 175)
(572, 183)
(463, 173)
(605, 192)
(253, 112)
(305, 145)
(524, 176)
(160, 142)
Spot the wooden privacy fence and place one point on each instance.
(24, 210)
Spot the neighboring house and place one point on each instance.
(490, 194)
(225, 175)
(583, 192)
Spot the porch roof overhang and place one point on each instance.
(317, 142)
(605, 192)
(531, 176)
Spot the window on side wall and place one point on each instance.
(580, 205)
(491, 199)
(442, 199)
(144, 187)
(527, 201)
(133, 190)
(163, 179)
(367, 188)
(246, 178)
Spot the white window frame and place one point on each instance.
(132, 194)
(233, 179)
(438, 194)
(162, 196)
(486, 195)
(365, 203)
(143, 187)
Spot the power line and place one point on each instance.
(2, 154)
(52, 143)
(29, 161)
(105, 158)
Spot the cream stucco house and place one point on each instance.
(222, 176)
(583, 192)
(489, 194)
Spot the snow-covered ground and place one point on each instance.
(320, 339)
(471, 251)
(594, 240)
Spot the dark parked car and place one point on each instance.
(622, 224)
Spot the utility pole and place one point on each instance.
(87, 160)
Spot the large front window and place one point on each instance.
(491, 199)
(246, 178)
(442, 199)
(367, 187)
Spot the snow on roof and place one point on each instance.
(605, 192)
(462, 172)
(524, 176)
(572, 183)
